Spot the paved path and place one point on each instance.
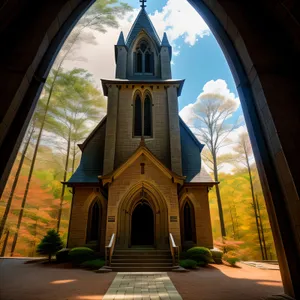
(19, 281)
(142, 286)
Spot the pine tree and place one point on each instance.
(50, 244)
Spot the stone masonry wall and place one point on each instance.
(126, 144)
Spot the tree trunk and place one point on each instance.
(254, 203)
(64, 180)
(8, 205)
(232, 221)
(262, 230)
(73, 159)
(4, 244)
(220, 208)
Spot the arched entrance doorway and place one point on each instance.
(143, 218)
(142, 225)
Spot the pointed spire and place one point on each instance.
(165, 41)
(121, 40)
(142, 22)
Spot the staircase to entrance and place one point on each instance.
(141, 260)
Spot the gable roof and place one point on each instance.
(101, 123)
(142, 150)
(142, 22)
(190, 133)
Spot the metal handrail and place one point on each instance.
(174, 250)
(109, 250)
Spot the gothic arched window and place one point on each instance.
(144, 58)
(142, 109)
(93, 229)
(189, 233)
(147, 116)
(138, 116)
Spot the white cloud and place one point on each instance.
(178, 18)
(220, 87)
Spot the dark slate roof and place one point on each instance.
(142, 22)
(91, 163)
(191, 156)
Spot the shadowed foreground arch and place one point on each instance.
(260, 40)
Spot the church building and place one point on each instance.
(141, 177)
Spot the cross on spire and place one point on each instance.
(143, 3)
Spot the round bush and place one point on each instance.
(81, 254)
(200, 254)
(188, 264)
(93, 264)
(201, 263)
(62, 255)
(217, 255)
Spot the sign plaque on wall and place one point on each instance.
(111, 218)
(173, 218)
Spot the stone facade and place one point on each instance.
(141, 157)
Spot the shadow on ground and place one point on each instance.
(223, 282)
(39, 282)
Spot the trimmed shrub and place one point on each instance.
(188, 264)
(201, 264)
(50, 244)
(93, 264)
(200, 254)
(217, 255)
(81, 254)
(231, 257)
(62, 255)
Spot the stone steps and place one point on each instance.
(141, 260)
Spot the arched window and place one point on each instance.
(142, 125)
(189, 229)
(188, 233)
(139, 62)
(138, 116)
(147, 116)
(144, 58)
(93, 229)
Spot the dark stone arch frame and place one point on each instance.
(287, 246)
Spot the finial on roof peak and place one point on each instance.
(143, 3)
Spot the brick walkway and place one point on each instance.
(142, 286)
